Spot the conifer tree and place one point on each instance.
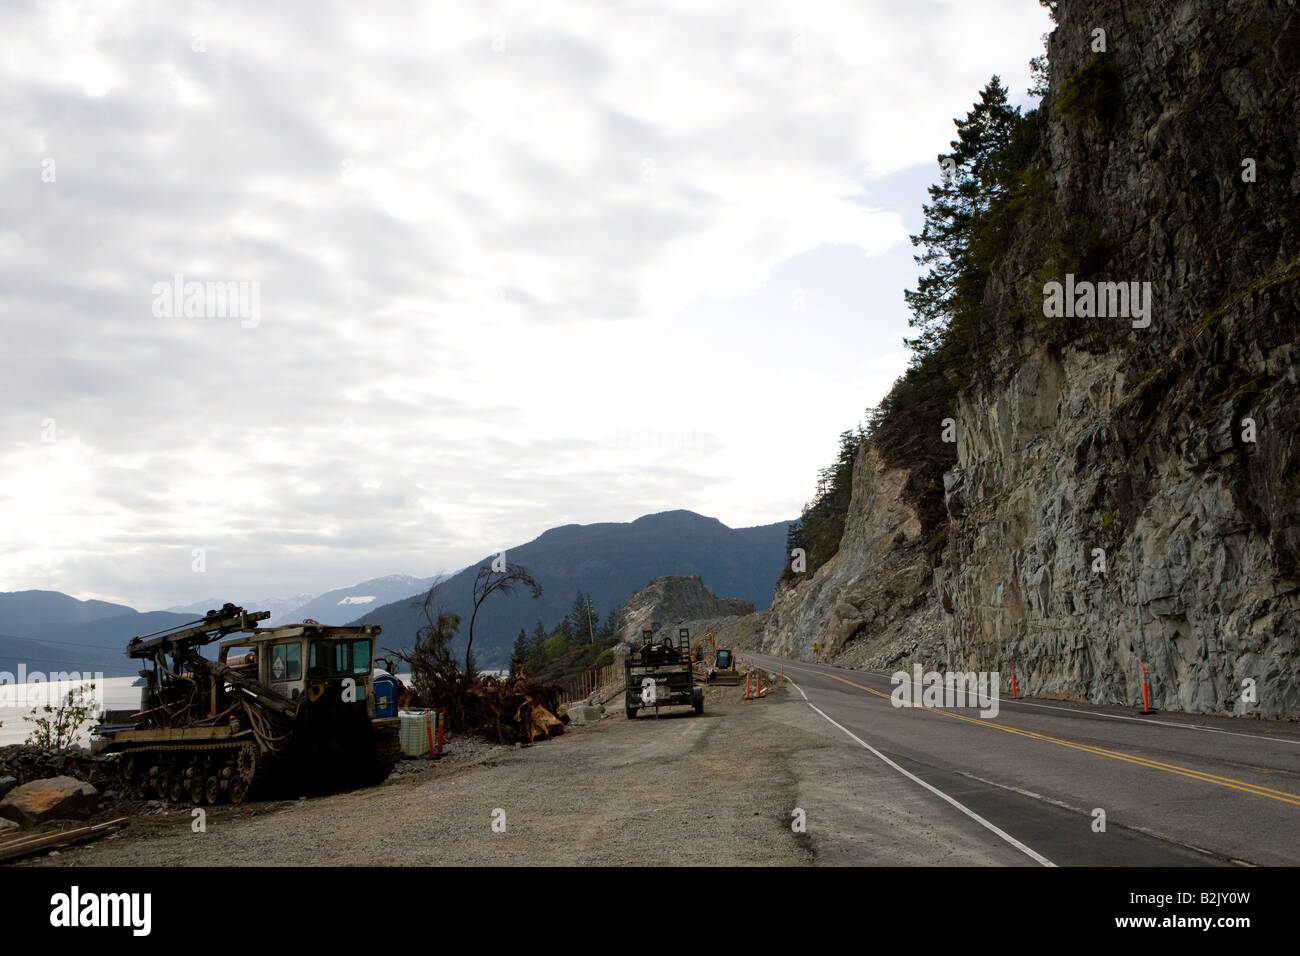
(947, 295)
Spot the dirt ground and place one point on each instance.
(677, 790)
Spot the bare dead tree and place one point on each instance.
(433, 671)
(489, 582)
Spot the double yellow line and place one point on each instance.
(1280, 795)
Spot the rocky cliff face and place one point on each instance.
(676, 601)
(870, 602)
(1122, 496)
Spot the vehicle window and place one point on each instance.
(286, 661)
(339, 658)
(361, 657)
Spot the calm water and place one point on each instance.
(17, 701)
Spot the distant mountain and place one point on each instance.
(23, 611)
(611, 562)
(51, 631)
(16, 652)
(48, 630)
(282, 609)
(344, 604)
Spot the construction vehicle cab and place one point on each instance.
(307, 658)
(713, 664)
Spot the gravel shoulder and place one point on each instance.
(677, 790)
(716, 789)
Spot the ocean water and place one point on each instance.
(112, 693)
(18, 700)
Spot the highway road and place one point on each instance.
(1025, 785)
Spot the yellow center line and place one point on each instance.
(1280, 795)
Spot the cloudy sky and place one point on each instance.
(506, 266)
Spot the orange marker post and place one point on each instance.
(1013, 681)
(1146, 692)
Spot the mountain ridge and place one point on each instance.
(611, 561)
(50, 630)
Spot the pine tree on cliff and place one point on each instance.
(946, 300)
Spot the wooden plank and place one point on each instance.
(38, 842)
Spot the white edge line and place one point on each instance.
(1032, 854)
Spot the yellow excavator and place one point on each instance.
(713, 664)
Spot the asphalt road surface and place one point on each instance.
(1027, 784)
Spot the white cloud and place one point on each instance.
(519, 267)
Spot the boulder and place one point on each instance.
(584, 713)
(50, 799)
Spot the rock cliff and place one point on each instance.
(1121, 495)
(676, 601)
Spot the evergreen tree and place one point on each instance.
(1040, 73)
(535, 642)
(945, 302)
(821, 523)
(581, 620)
(794, 535)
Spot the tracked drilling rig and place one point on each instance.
(292, 705)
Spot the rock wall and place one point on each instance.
(1103, 441)
(870, 603)
(1168, 451)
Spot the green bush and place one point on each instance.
(58, 727)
